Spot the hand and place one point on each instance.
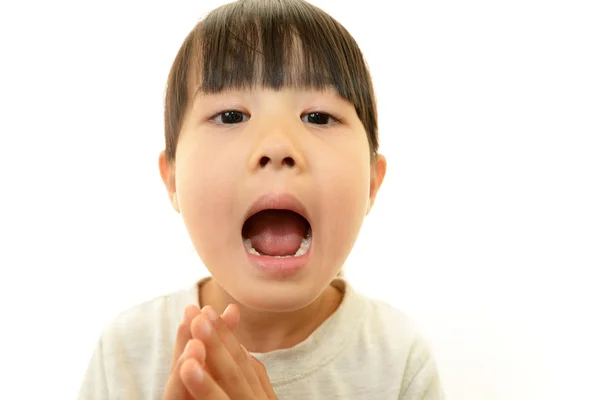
(216, 382)
(229, 372)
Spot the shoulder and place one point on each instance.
(375, 326)
(153, 311)
(133, 356)
(393, 338)
(387, 325)
(148, 321)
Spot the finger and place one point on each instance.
(194, 349)
(231, 317)
(239, 354)
(261, 373)
(222, 365)
(176, 390)
(184, 334)
(199, 384)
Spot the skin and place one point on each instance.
(210, 364)
(221, 169)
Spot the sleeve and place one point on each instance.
(95, 386)
(421, 377)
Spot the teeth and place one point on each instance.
(304, 246)
(251, 250)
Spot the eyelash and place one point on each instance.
(334, 119)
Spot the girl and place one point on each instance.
(272, 161)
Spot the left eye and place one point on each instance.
(318, 118)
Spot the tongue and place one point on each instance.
(277, 232)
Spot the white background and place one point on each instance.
(487, 229)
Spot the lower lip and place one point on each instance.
(279, 267)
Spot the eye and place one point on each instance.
(230, 117)
(318, 118)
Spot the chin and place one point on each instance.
(256, 290)
(274, 297)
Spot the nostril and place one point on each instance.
(289, 161)
(264, 161)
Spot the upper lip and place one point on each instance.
(277, 201)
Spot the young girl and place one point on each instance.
(272, 161)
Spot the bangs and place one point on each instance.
(276, 44)
(269, 44)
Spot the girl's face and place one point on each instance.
(243, 152)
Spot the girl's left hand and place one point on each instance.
(229, 371)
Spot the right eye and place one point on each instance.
(230, 117)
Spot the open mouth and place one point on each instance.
(277, 234)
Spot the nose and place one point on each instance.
(278, 151)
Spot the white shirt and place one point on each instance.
(365, 350)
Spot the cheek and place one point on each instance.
(206, 188)
(343, 196)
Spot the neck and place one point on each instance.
(262, 331)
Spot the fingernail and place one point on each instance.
(198, 373)
(246, 350)
(226, 308)
(211, 314)
(186, 349)
(205, 329)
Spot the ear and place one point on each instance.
(378, 168)
(167, 173)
